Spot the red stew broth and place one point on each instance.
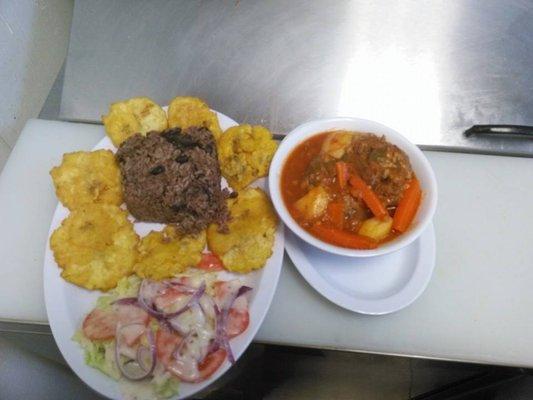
(297, 170)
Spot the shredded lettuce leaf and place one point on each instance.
(104, 302)
(165, 385)
(126, 287)
(99, 354)
(197, 276)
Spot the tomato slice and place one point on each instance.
(165, 343)
(238, 317)
(129, 314)
(100, 324)
(186, 370)
(171, 299)
(211, 363)
(210, 262)
(224, 292)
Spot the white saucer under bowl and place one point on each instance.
(370, 285)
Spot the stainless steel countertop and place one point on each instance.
(429, 69)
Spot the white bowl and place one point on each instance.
(419, 162)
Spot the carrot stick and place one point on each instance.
(408, 206)
(342, 174)
(335, 213)
(342, 238)
(369, 197)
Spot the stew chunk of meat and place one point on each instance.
(382, 165)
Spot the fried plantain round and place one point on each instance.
(248, 244)
(95, 246)
(135, 115)
(245, 153)
(85, 178)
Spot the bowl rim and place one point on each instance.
(314, 127)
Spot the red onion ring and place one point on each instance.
(166, 325)
(127, 374)
(221, 338)
(128, 301)
(210, 313)
(148, 306)
(152, 352)
(242, 290)
(179, 347)
(221, 317)
(182, 287)
(193, 300)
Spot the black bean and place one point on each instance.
(187, 141)
(210, 149)
(172, 135)
(157, 170)
(178, 207)
(182, 158)
(179, 139)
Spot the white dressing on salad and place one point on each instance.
(193, 319)
(166, 331)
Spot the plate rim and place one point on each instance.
(112, 389)
(415, 285)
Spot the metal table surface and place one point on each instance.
(429, 69)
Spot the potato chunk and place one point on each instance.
(336, 143)
(375, 228)
(314, 203)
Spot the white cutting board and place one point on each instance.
(27, 201)
(477, 307)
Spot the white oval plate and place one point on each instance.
(371, 285)
(67, 304)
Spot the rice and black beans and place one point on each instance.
(174, 177)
